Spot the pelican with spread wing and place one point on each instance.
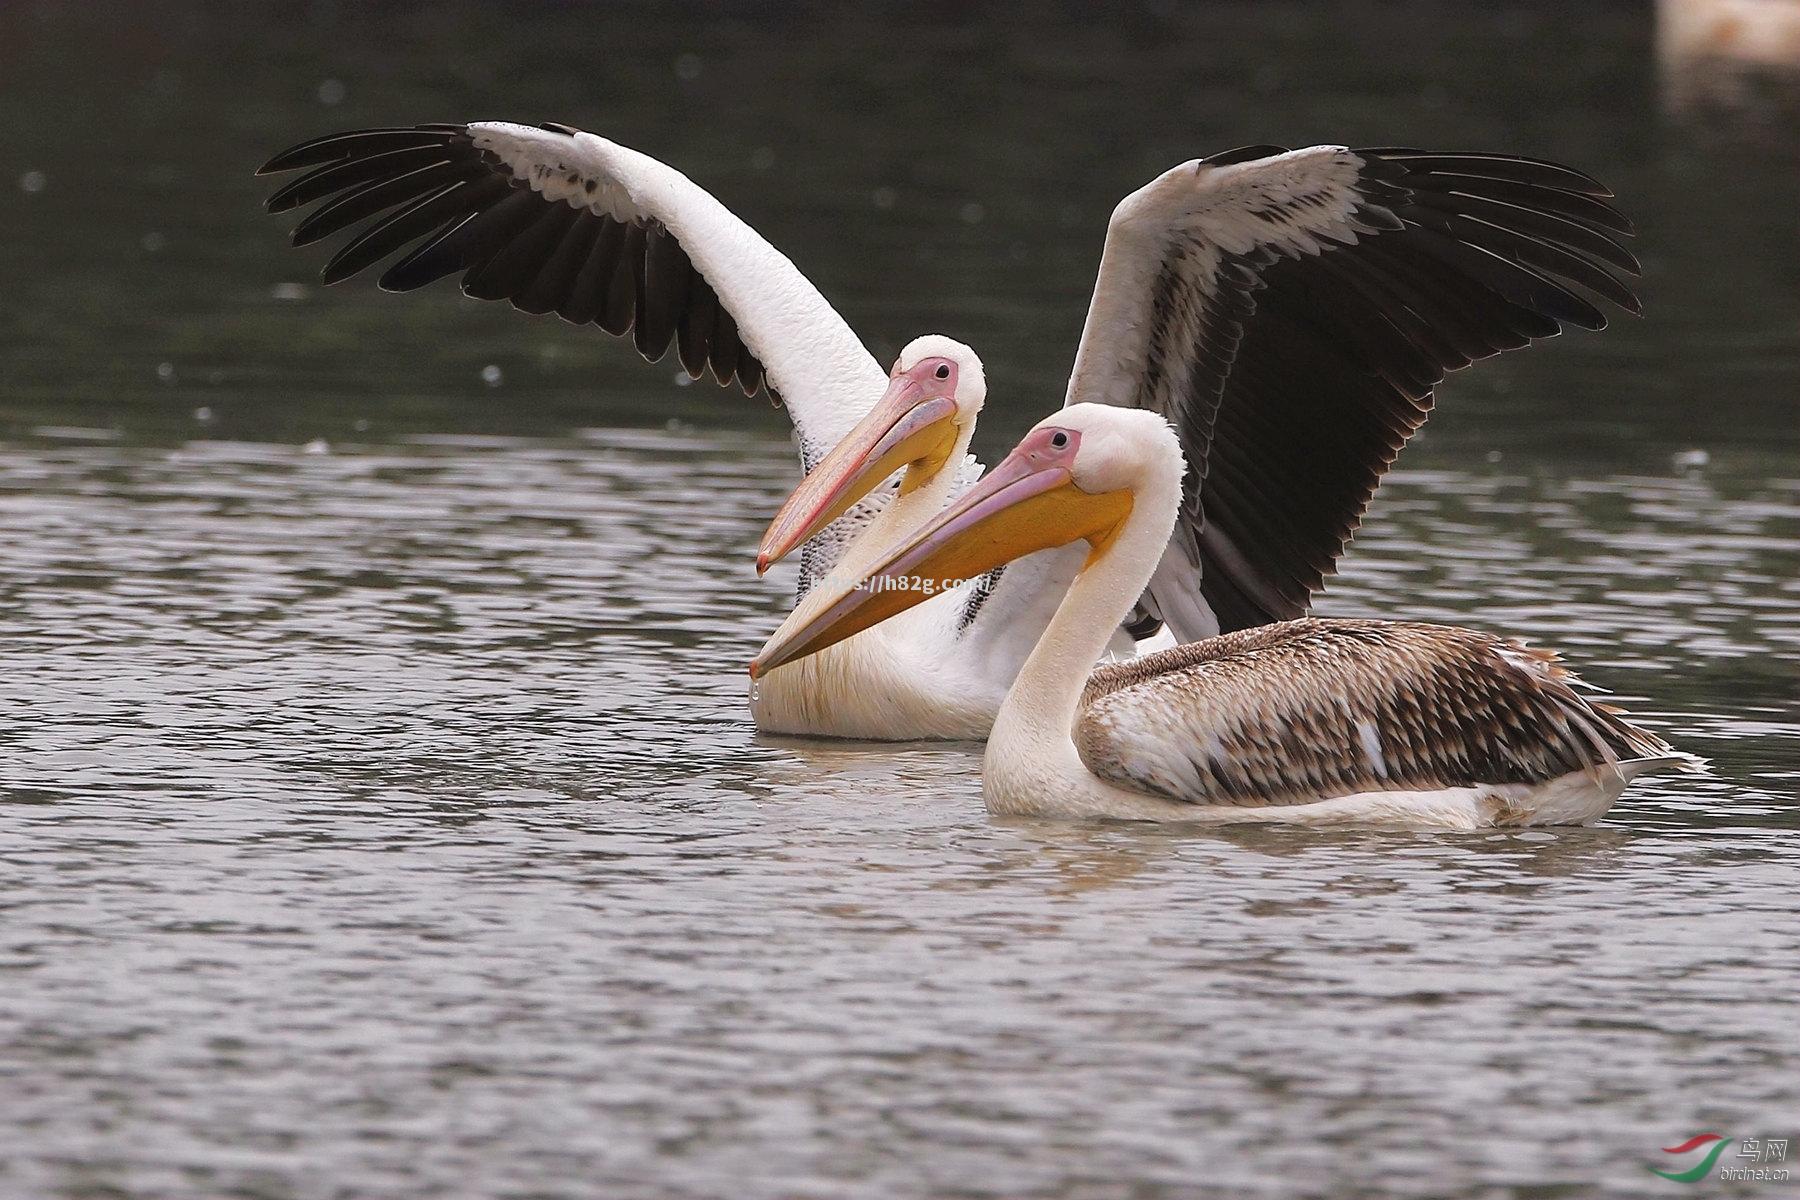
(1291, 312)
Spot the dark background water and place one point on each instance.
(379, 814)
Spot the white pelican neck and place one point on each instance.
(1048, 689)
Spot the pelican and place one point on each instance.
(1309, 721)
(1292, 311)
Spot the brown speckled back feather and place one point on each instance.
(1305, 709)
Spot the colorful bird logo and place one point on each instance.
(1716, 1143)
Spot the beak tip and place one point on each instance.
(762, 562)
(755, 668)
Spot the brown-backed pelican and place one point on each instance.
(1307, 721)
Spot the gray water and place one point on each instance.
(379, 812)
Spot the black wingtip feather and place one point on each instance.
(1242, 154)
(424, 218)
(1513, 168)
(345, 174)
(357, 143)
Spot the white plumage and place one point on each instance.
(1303, 722)
(1291, 312)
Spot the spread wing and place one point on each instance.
(560, 221)
(1291, 314)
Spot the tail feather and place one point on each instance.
(1633, 748)
(1674, 760)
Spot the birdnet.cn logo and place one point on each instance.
(1757, 1159)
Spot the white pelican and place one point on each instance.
(1291, 311)
(1309, 721)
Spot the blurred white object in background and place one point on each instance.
(1711, 50)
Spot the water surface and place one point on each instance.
(379, 812)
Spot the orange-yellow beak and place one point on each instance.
(909, 427)
(1029, 502)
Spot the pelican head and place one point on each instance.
(1074, 478)
(934, 394)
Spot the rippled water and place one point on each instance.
(379, 814)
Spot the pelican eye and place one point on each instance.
(1059, 439)
(943, 371)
